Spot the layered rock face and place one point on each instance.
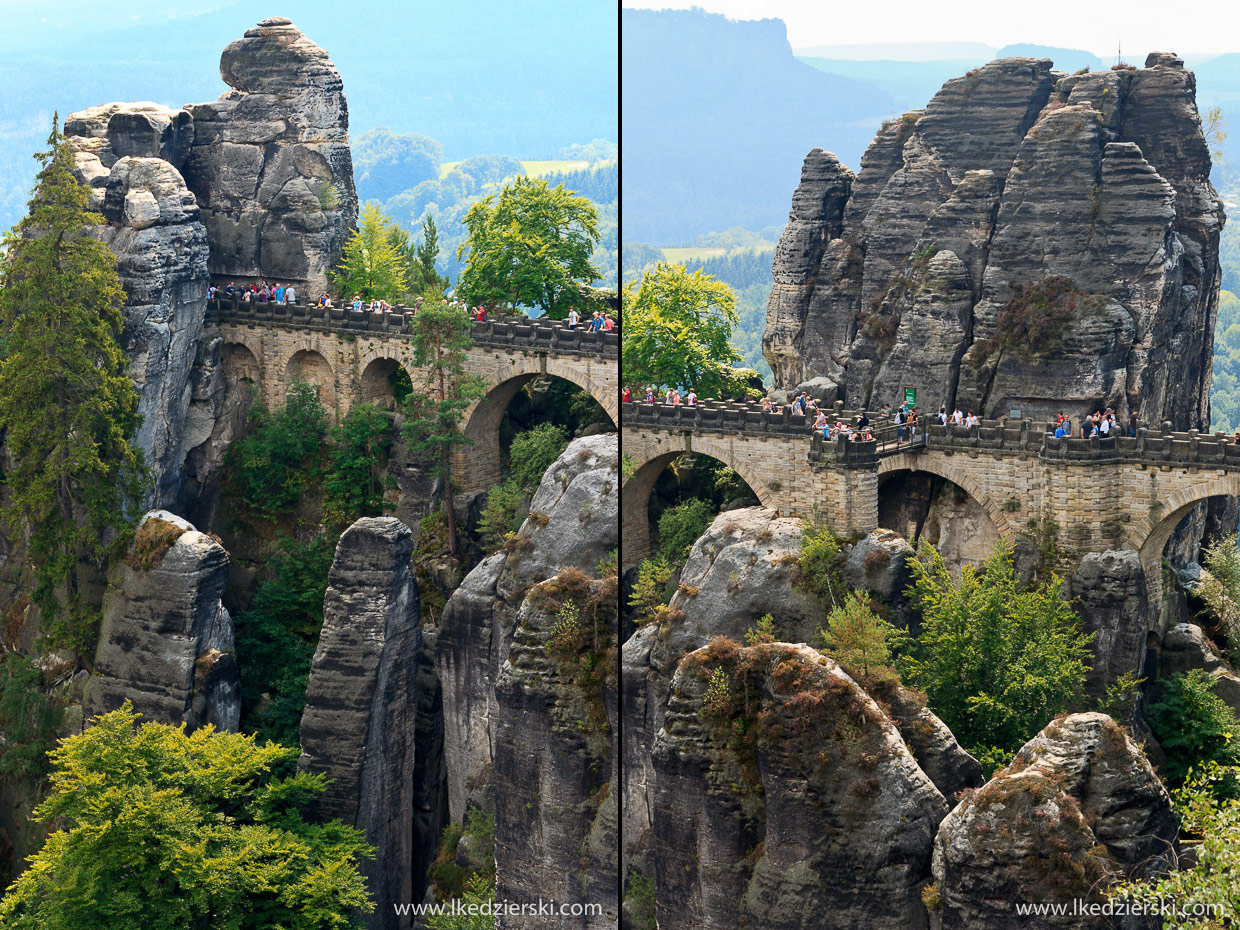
(815, 815)
(361, 705)
(129, 155)
(1029, 241)
(270, 161)
(1078, 808)
(478, 620)
(528, 704)
(166, 640)
(745, 566)
(256, 185)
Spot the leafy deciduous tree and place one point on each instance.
(441, 338)
(530, 247)
(678, 330)
(166, 831)
(371, 265)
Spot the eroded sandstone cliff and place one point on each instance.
(1030, 240)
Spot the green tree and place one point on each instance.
(997, 661)
(164, 831)
(67, 404)
(1193, 725)
(533, 451)
(820, 566)
(353, 486)
(1206, 894)
(371, 264)
(441, 338)
(529, 247)
(678, 330)
(650, 589)
(277, 636)
(857, 638)
(505, 511)
(425, 281)
(281, 456)
(680, 526)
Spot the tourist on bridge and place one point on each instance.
(572, 318)
(325, 301)
(691, 400)
(626, 396)
(942, 416)
(673, 398)
(863, 421)
(766, 405)
(230, 290)
(279, 293)
(820, 421)
(357, 302)
(957, 417)
(480, 314)
(649, 395)
(901, 429)
(1132, 423)
(970, 421)
(211, 292)
(609, 325)
(1059, 433)
(290, 294)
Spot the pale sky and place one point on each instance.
(1186, 27)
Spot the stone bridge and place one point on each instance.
(350, 357)
(1116, 493)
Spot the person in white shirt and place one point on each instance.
(290, 294)
(572, 318)
(1104, 427)
(691, 400)
(957, 417)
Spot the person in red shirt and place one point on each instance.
(627, 396)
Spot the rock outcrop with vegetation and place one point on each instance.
(1029, 240)
(1078, 809)
(166, 640)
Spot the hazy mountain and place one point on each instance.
(717, 116)
(903, 51)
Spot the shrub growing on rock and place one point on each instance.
(1194, 726)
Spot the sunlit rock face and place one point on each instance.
(912, 272)
(270, 161)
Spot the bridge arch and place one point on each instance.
(241, 363)
(1150, 534)
(312, 366)
(378, 371)
(477, 466)
(650, 463)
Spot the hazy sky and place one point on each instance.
(1193, 26)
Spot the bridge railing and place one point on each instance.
(504, 333)
(1002, 435)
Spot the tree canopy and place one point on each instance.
(997, 660)
(371, 265)
(67, 403)
(678, 330)
(164, 830)
(529, 246)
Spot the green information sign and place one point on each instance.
(910, 396)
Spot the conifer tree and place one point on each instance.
(67, 404)
(371, 265)
(425, 279)
(440, 342)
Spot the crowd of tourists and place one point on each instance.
(1100, 423)
(256, 293)
(600, 322)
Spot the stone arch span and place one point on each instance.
(312, 366)
(1150, 533)
(477, 466)
(375, 382)
(241, 363)
(965, 529)
(649, 464)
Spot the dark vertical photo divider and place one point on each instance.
(310, 567)
(930, 449)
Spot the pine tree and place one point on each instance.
(441, 339)
(426, 280)
(371, 265)
(67, 404)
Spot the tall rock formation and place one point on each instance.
(130, 155)
(525, 662)
(166, 640)
(257, 185)
(1030, 240)
(270, 161)
(361, 705)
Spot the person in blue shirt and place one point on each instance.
(1059, 433)
(279, 293)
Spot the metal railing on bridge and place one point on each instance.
(503, 333)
